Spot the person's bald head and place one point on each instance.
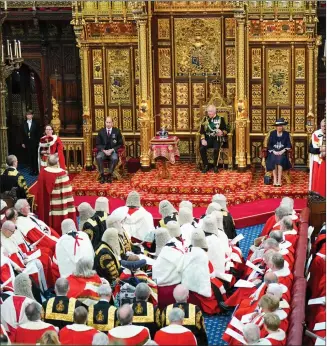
(180, 294)
(125, 315)
(270, 278)
(53, 160)
(8, 229)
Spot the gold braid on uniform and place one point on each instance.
(198, 320)
(157, 318)
(89, 232)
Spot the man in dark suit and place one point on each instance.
(31, 138)
(108, 141)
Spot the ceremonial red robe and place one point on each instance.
(129, 335)
(317, 180)
(77, 334)
(31, 332)
(51, 145)
(272, 225)
(3, 332)
(277, 338)
(7, 275)
(55, 197)
(175, 335)
(317, 271)
(84, 288)
(35, 229)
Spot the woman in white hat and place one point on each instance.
(278, 144)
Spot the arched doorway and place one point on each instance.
(24, 93)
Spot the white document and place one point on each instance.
(236, 323)
(237, 239)
(31, 268)
(223, 276)
(315, 301)
(34, 256)
(244, 283)
(254, 267)
(35, 244)
(235, 257)
(235, 335)
(319, 326)
(248, 317)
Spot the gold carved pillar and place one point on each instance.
(241, 123)
(145, 108)
(78, 22)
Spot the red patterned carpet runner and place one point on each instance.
(188, 183)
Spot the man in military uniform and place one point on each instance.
(145, 314)
(213, 129)
(107, 256)
(193, 319)
(103, 315)
(59, 310)
(92, 225)
(11, 178)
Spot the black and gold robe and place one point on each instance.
(229, 225)
(12, 178)
(59, 310)
(146, 315)
(106, 263)
(93, 228)
(193, 320)
(102, 217)
(102, 316)
(125, 244)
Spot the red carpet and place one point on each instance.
(250, 201)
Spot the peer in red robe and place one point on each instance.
(129, 335)
(175, 334)
(77, 334)
(317, 150)
(55, 195)
(30, 332)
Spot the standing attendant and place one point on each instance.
(50, 144)
(31, 137)
(213, 129)
(278, 144)
(108, 141)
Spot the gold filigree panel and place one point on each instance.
(196, 119)
(278, 76)
(97, 63)
(113, 113)
(119, 76)
(98, 94)
(230, 92)
(256, 148)
(99, 119)
(182, 118)
(166, 118)
(299, 120)
(197, 45)
(137, 93)
(256, 120)
(230, 62)
(300, 63)
(299, 94)
(256, 95)
(181, 94)
(270, 119)
(198, 93)
(230, 27)
(299, 153)
(164, 61)
(256, 63)
(163, 29)
(127, 120)
(165, 94)
(137, 63)
(286, 114)
(184, 147)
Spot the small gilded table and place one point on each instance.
(164, 150)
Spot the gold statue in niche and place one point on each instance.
(197, 46)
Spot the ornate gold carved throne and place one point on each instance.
(225, 109)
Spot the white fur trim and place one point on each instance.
(36, 325)
(123, 332)
(79, 327)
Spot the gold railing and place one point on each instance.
(74, 153)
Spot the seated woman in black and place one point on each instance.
(278, 144)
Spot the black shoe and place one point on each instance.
(102, 180)
(109, 179)
(225, 307)
(216, 169)
(205, 169)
